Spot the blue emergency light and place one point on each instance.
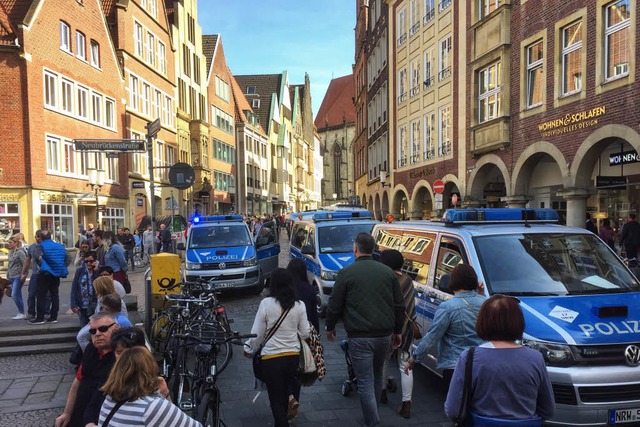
(335, 215)
(212, 218)
(504, 215)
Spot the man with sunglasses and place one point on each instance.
(97, 361)
(83, 296)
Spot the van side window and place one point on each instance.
(416, 247)
(311, 241)
(299, 235)
(450, 254)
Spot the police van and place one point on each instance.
(221, 247)
(324, 240)
(580, 301)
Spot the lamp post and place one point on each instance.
(96, 181)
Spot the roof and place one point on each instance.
(266, 85)
(209, 48)
(337, 106)
(12, 13)
(108, 8)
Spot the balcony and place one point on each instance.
(414, 91)
(429, 82)
(429, 154)
(445, 149)
(414, 29)
(444, 74)
(402, 98)
(402, 39)
(428, 17)
(443, 5)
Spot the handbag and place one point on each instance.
(318, 352)
(307, 370)
(415, 328)
(258, 370)
(464, 413)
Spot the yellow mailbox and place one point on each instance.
(165, 277)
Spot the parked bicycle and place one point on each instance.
(140, 258)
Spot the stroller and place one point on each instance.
(351, 384)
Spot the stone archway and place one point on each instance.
(422, 201)
(370, 206)
(385, 205)
(488, 183)
(400, 204)
(377, 212)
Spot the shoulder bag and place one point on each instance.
(464, 413)
(113, 411)
(307, 369)
(258, 370)
(417, 333)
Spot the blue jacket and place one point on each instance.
(53, 259)
(82, 276)
(453, 329)
(115, 258)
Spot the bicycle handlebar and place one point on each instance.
(235, 337)
(171, 297)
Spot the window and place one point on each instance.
(429, 11)
(50, 89)
(162, 57)
(535, 74)
(571, 58)
(445, 58)
(81, 46)
(186, 60)
(151, 49)
(166, 110)
(68, 157)
(152, 7)
(251, 90)
(59, 217)
(110, 113)
(222, 89)
(617, 41)
(83, 102)
(402, 85)
(415, 142)
(222, 120)
(486, 7)
(138, 42)
(415, 77)
(403, 148)
(133, 92)
(157, 105)
(95, 54)
(489, 93)
(53, 160)
(96, 107)
(414, 17)
(67, 96)
(445, 132)
(429, 74)
(402, 27)
(65, 37)
(146, 99)
(255, 103)
(429, 136)
(196, 69)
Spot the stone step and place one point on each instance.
(39, 348)
(43, 338)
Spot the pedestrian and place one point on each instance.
(114, 257)
(128, 242)
(607, 233)
(307, 295)
(16, 262)
(103, 287)
(630, 237)
(165, 238)
(280, 354)
(34, 260)
(394, 260)
(97, 361)
(80, 254)
(453, 329)
(509, 381)
(98, 245)
(83, 297)
(133, 397)
(590, 226)
(137, 239)
(54, 266)
(148, 241)
(367, 296)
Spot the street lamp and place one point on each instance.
(96, 181)
(383, 179)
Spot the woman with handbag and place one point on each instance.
(508, 383)
(279, 323)
(394, 260)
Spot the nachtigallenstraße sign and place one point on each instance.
(109, 144)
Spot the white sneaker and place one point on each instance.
(18, 316)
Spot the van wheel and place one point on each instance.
(322, 310)
(257, 290)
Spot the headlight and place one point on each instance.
(554, 354)
(193, 266)
(250, 262)
(329, 275)
(186, 313)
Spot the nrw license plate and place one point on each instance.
(225, 285)
(622, 416)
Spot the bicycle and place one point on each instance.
(140, 258)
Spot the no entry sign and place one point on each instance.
(438, 186)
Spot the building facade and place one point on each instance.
(360, 151)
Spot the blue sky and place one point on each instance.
(269, 36)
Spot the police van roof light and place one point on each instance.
(212, 218)
(505, 215)
(334, 215)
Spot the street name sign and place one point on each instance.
(153, 128)
(109, 144)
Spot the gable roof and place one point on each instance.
(266, 85)
(241, 103)
(209, 43)
(337, 104)
(12, 14)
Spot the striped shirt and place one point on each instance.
(152, 410)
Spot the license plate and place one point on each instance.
(224, 285)
(622, 416)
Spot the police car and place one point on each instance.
(324, 240)
(580, 302)
(221, 247)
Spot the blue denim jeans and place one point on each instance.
(16, 293)
(31, 297)
(367, 357)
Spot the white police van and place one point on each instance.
(324, 240)
(221, 247)
(580, 302)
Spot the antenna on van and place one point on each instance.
(526, 217)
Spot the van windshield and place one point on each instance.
(551, 264)
(339, 238)
(220, 236)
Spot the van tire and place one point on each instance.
(322, 310)
(257, 290)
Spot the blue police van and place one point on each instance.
(221, 249)
(324, 240)
(580, 301)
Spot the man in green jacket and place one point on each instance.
(367, 296)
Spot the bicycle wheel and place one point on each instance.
(179, 383)
(213, 332)
(159, 332)
(140, 259)
(208, 410)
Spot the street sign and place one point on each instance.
(439, 197)
(109, 144)
(102, 208)
(454, 199)
(113, 155)
(137, 184)
(438, 206)
(81, 196)
(153, 128)
(181, 176)
(438, 186)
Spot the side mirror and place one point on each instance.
(307, 250)
(180, 246)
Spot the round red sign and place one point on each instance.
(438, 186)
(454, 199)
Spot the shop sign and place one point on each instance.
(571, 122)
(616, 159)
(611, 182)
(9, 197)
(53, 197)
(422, 173)
(137, 184)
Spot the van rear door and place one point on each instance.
(267, 248)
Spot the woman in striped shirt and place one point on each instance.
(133, 398)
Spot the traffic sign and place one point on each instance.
(438, 186)
(109, 144)
(454, 199)
(182, 176)
(438, 206)
(439, 197)
(153, 128)
(102, 208)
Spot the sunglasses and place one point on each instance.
(89, 261)
(103, 329)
